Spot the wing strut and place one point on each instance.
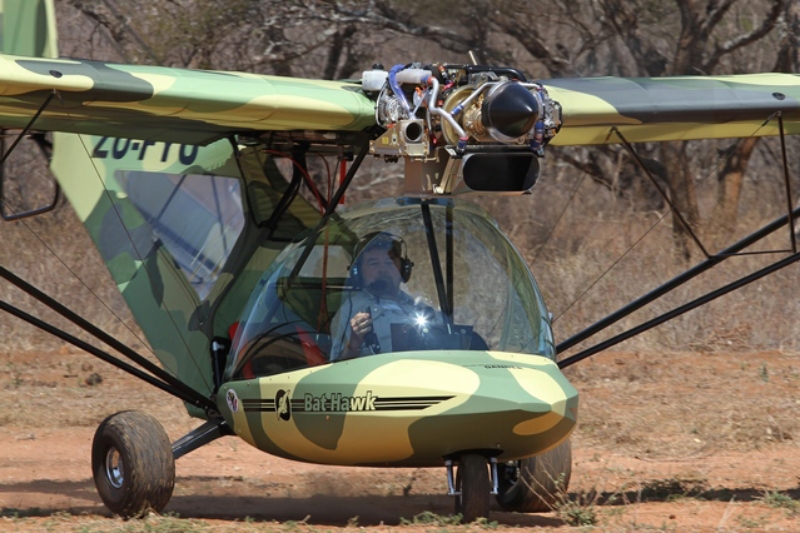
(786, 182)
(444, 300)
(663, 194)
(677, 281)
(693, 272)
(331, 209)
(713, 295)
(345, 183)
(163, 379)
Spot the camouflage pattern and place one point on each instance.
(167, 104)
(178, 323)
(198, 107)
(409, 409)
(677, 108)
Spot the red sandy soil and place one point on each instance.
(686, 442)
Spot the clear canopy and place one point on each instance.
(457, 284)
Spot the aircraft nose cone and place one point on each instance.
(510, 109)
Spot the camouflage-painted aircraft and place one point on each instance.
(239, 283)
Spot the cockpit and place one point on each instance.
(396, 275)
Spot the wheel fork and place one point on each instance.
(451, 485)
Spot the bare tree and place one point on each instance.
(552, 38)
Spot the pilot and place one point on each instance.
(363, 323)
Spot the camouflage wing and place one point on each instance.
(168, 104)
(678, 108)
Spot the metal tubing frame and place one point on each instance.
(351, 173)
(289, 194)
(187, 393)
(663, 194)
(209, 431)
(710, 260)
(108, 358)
(28, 126)
(354, 166)
(436, 265)
(713, 295)
(677, 281)
(786, 182)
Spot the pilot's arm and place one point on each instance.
(360, 325)
(348, 333)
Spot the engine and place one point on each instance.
(462, 128)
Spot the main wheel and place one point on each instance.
(132, 462)
(472, 481)
(536, 484)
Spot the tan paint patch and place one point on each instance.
(540, 385)
(591, 135)
(15, 79)
(321, 84)
(362, 440)
(581, 108)
(290, 109)
(538, 425)
(536, 360)
(160, 82)
(279, 112)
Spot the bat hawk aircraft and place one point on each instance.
(265, 309)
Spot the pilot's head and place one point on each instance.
(381, 264)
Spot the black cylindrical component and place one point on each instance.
(510, 109)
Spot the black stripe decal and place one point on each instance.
(398, 403)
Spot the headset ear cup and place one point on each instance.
(405, 269)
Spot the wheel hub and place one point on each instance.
(115, 468)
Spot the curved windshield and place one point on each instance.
(392, 276)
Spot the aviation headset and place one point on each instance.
(383, 241)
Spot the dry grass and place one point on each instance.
(584, 249)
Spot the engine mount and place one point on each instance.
(454, 124)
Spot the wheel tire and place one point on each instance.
(540, 481)
(132, 462)
(472, 481)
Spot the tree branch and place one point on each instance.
(743, 40)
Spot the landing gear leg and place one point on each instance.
(473, 487)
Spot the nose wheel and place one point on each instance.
(473, 486)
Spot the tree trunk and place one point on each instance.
(729, 188)
(683, 195)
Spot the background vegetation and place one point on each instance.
(592, 209)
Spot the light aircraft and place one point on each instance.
(236, 279)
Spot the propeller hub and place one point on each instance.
(509, 111)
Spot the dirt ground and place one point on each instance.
(675, 442)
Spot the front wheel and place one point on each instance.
(472, 481)
(536, 484)
(132, 462)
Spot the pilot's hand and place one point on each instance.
(360, 324)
